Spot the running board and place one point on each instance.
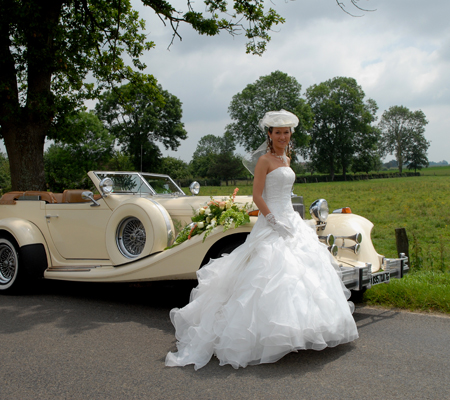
(72, 268)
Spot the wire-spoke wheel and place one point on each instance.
(9, 264)
(131, 237)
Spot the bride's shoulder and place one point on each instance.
(264, 160)
(263, 165)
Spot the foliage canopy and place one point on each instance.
(141, 116)
(342, 130)
(215, 158)
(66, 164)
(402, 133)
(271, 92)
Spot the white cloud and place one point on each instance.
(398, 54)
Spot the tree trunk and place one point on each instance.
(24, 126)
(25, 147)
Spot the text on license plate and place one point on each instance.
(381, 277)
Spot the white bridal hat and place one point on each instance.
(278, 119)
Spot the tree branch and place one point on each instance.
(354, 2)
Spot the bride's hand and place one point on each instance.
(278, 226)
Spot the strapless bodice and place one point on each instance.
(278, 188)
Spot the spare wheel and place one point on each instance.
(137, 229)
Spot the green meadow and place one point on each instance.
(436, 171)
(420, 204)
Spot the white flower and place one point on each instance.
(213, 222)
(200, 225)
(201, 211)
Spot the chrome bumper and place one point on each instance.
(361, 278)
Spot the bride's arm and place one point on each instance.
(259, 180)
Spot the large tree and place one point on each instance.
(271, 92)
(48, 48)
(139, 117)
(402, 133)
(342, 128)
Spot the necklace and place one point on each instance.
(282, 158)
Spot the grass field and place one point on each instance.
(420, 205)
(434, 171)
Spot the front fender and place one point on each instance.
(157, 223)
(348, 225)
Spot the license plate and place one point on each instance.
(381, 277)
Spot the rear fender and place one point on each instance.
(33, 252)
(23, 231)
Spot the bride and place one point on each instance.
(278, 292)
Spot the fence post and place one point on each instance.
(401, 240)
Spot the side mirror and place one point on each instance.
(90, 196)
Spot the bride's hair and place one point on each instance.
(289, 147)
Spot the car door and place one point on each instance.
(78, 229)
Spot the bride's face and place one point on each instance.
(280, 137)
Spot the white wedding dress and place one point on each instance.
(267, 298)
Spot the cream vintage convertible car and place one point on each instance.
(121, 235)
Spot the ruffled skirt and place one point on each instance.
(267, 298)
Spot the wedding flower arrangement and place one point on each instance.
(226, 213)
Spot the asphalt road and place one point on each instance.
(92, 341)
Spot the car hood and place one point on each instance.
(185, 204)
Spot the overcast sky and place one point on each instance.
(399, 54)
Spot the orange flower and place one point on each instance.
(235, 192)
(192, 230)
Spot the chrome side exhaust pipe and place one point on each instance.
(333, 249)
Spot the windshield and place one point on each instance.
(141, 183)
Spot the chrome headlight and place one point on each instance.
(319, 210)
(106, 186)
(194, 188)
(333, 250)
(328, 240)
